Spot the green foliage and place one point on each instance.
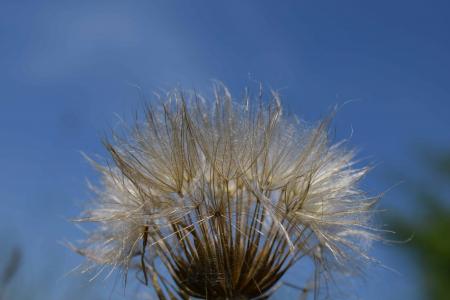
(430, 230)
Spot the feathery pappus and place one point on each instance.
(218, 199)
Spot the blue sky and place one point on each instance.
(67, 69)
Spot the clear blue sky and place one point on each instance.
(66, 69)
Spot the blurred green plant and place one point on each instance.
(22, 278)
(13, 263)
(430, 227)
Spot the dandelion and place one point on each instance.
(219, 199)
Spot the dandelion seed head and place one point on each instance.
(226, 197)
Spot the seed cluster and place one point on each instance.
(226, 197)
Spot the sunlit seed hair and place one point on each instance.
(225, 197)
